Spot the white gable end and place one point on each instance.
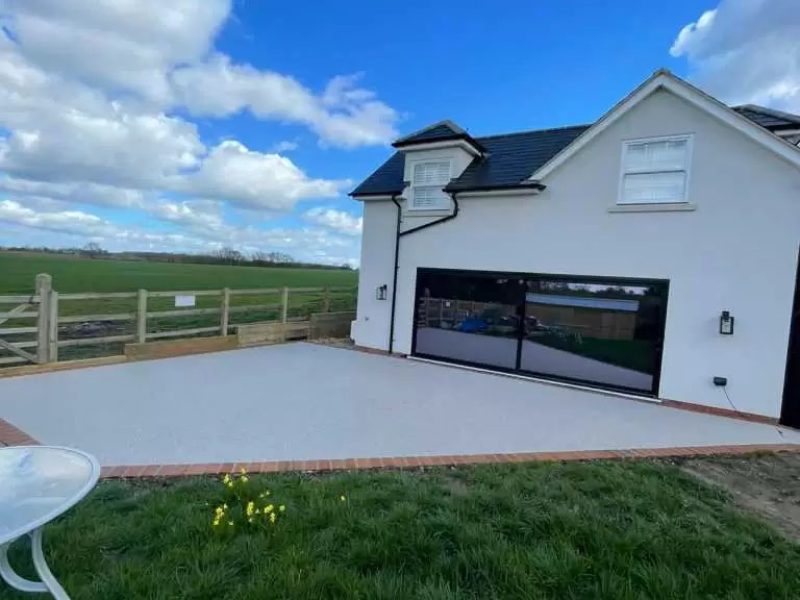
(666, 81)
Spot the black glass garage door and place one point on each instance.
(606, 332)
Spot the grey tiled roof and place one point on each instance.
(436, 132)
(510, 159)
(514, 157)
(772, 119)
(387, 179)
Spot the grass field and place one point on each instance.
(603, 530)
(73, 274)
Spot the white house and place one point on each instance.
(650, 252)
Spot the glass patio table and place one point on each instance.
(37, 484)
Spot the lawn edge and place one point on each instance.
(416, 462)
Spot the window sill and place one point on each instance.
(665, 207)
(439, 212)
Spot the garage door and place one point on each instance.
(601, 331)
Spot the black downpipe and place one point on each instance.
(396, 266)
(397, 236)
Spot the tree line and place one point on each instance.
(223, 256)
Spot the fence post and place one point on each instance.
(44, 285)
(326, 300)
(141, 317)
(285, 305)
(225, 311)
(52, 335)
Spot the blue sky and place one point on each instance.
(213, 123)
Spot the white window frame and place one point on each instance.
(623, 171)
(437, 186)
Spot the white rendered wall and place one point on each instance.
(737, 251)
(371, 327)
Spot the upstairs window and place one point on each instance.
(655, 171)
(428, 179)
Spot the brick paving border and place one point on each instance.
(13, 436)
(415, 462)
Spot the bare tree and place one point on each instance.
(279, 257)
(229, 255)
(92, 250)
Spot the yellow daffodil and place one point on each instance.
(272, 518)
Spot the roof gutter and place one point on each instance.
(529, 184)
(397, 236)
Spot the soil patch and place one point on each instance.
(767, 484)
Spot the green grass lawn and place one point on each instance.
(631, 354)
(616, 530)
(74, 274)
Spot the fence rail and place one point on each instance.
(144, 315)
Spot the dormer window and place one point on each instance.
(655, 170)
(428, 181)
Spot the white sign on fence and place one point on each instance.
(182, 301)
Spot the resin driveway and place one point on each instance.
(307, 402)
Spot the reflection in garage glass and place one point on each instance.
(470, 319)
(604, 332)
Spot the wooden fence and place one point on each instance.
(52, 324)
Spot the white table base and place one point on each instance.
(48, 582)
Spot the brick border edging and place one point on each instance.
(719, 412)
(412, 462)
(11, 435)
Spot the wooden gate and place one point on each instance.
(40, 306)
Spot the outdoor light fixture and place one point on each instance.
(726, 323)
(380, 292)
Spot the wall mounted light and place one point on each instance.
(726, 323)
(380, 292)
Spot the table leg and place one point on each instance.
(48, 582)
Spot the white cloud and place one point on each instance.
(254, 180)
(71, 221)
(345, 115)
(746, 51)
(205, 234)
(63, 130)
(284, 146)
(338, 220)
(88, 227)
(127, 45)
(66, 133)
(74, 192)
(200, 215)
(162, 53)
(97, 106)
